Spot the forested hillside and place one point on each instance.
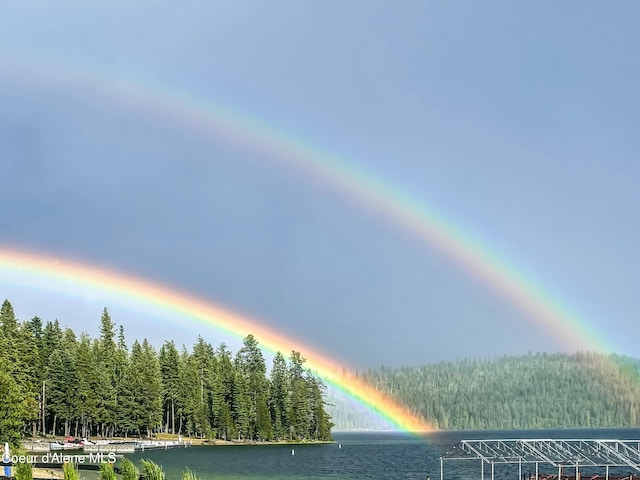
(55, 381)
(531, 391)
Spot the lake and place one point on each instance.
(353, 456)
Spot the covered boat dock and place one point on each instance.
(568, 457)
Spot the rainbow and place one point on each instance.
(413, 215)
(66, 275)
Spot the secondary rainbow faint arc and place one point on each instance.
(171, 106)
(170, 299)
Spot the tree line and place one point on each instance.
(55, 382)
(542, 390)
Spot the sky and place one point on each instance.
(516, 122)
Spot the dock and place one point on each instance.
(135, 446)
(118, 447)
(551, 459)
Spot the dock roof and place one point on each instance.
(556, 452)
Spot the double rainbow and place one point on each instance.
(196, 115)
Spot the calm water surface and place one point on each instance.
(353, 456)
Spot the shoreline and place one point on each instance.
(218, 442)
(187, 441)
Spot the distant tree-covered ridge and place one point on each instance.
(581, 390)
(54, 381)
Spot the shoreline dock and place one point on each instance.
(117, 447)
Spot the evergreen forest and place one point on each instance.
(542, 390)
(54, 381)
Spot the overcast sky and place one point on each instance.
(516, 121)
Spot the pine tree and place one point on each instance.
(35, 325)
(121, 365)
(151, 383)
(8, 322)
(19, 355)
(169, 368)
(26, 349)
(62, 380)
(204, 365)
(223, 383)
(280, 397)
(107, 333)
(320, 422)
(241, 405)
(13, 412)
(10, 342)
(88, 398)
(105, 359)
(187, 381)
(300, 420)
(135, 382)
(51, 339)
(104, 389)
(251, 376)
(35, 328)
